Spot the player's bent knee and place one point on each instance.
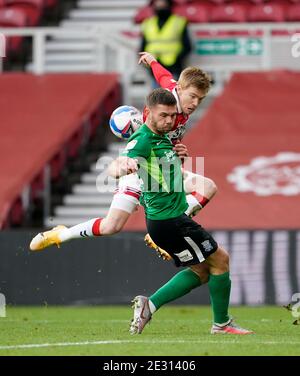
(202, 271)
(110, 228)
(218, 262)
(223, 257)
(210, 188)
(114, 221)
(114, 228)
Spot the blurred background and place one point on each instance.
(66, 65)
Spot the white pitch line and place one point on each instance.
(111, 342)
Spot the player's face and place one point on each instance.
(189, 98)
(161, 118)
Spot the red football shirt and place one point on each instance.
(165, 79)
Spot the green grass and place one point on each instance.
(174, 330)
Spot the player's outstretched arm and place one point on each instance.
(162, 76)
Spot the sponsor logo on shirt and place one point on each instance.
(170, 155)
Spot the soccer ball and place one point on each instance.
(125, 120)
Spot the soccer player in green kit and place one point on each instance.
(150, 153)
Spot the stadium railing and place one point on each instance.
(219, 48)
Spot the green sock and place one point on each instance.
(181, 284)
(219, 289)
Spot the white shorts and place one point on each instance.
(128, 193)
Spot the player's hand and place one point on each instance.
(146, 58)
(127, 166)
(181, 151)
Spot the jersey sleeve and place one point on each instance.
(138, 147)
(162, 76)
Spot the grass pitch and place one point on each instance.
(174, 330)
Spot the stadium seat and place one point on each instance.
(75, 143)
(266, 13)
(37, 186)
(182, 1)
(218, 1)
(228, 13)
(95, 119)
(193, 12)
(32, 8)
(16, 214)
(293, 13)
(246, 4)
(13, 18)
(142, 14)
(258, 1)
(57, 164)
(49, 4)
(284, 4)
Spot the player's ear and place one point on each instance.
(146, 112)
(179, 89)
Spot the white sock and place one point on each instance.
(194, 205)
(151, 307)
(82, 230)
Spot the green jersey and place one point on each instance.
(163, 195)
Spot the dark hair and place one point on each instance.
(160, 96)
(170, 3)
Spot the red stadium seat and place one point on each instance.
(37, 186)
(57, 164)
(266, 13)
(218, 1)
(2, 3)
(193, 12)
(284, 4)
(228, 13)
(182, 1)
(75, 143)
(142, 14)
(16, 214)
(49, 4)
(293, 13)
(13, 18)
(258, 1)
(32, 8)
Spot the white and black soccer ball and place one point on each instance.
(125, 120)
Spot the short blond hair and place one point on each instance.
(195, 77)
